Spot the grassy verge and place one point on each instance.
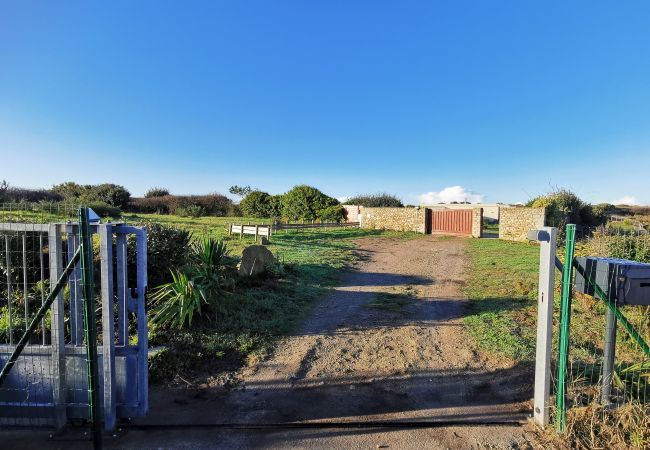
(503, 287)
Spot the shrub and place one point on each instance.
(151, 205)
(375, 200)
(20, 195)
(209, 270)
(190, 211)
(167, 249)
(211, 205)
(256, 204)
(156, 192)
(275, 206)
(334, 213)
(176, 302)
(563, 207)
(70, 190)
(104, 209)
(211, 265)
(112, 194)
(304, 202)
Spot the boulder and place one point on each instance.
(255, 260)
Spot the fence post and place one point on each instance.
(143, 369)
(108, 331)
(257, 232)
(90, 325)
(565, 319)
(608, 357)
(547, 237)
(57, 326)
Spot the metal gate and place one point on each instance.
(457, 221)
(48, 383)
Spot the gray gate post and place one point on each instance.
(547, 238)
(55, 249)
(608, 357)
(108, 328)
(143, 369)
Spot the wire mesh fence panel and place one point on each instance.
(48, 383)
(28, 265)
(607, 358)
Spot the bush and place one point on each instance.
(563, 207)
(275, 206)
(375, 201)
(167, 249)
(104, 209)
(190, 211)
(304, 202)
(151, 205)
(22, 195)
(156, 192)
(334, 213)
(211, 205)
(256, 204)
(112, 194)
(209, 270)
(70, 190)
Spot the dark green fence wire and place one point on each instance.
(90, 324)
(581, 379)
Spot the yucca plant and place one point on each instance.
(210, 264)
(176, 302)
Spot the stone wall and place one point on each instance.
(477, 222)
(398, 219)
(352, 212)
(515, 222)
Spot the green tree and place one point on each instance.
(256, 204)
(70, 190)
(111, 194)
(241, 191)
(305, 202)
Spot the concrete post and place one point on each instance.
(547, 238)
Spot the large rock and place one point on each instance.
(255, 260)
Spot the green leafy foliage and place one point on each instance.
(375, 200)
(305, 202)
(167, 250)
(241, 191)
(256, 204)
(563, 207)
(111, 194)
(208, 271)
(185, 205)
(211, 265)
(334, 213)
(156, 192)
(176, 302)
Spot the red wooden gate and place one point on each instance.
(456, 221)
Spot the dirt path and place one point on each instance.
(387, 345)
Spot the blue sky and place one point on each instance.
(506, 99)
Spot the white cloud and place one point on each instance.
(626, 200)
(450, 194)
(343, 199)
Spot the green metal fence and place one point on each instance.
(602, 359)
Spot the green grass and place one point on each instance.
(503, 287)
